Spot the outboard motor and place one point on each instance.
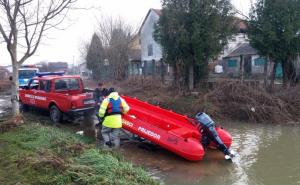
(204, 119)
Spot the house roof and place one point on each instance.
(240, 24)
(3, 69)
(82, 64)
(243, 49)
(157, 11)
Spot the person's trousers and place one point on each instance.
(111, 136)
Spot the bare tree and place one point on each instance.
(23, 23)
(83, 50)
(116, 37)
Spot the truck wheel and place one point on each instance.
(55, 114)
(23, 107)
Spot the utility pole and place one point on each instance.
(73, 66)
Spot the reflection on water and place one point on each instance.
(267, 154)
(4, 104)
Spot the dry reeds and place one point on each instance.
(243, 102)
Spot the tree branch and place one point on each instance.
(3, 34)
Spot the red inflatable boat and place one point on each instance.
(168, 129)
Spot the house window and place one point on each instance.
(232, 63)
(84, 73)
(150, 50)
(259, 61)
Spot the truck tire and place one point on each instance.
(55, 114)
(23, 107)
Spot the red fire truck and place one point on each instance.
(59, 94)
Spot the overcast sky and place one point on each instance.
(63, 45)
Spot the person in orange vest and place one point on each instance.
(111, 110)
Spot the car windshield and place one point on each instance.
(67, 84)
(27, 73)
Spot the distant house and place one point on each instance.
(84, 72)
(4, 73)
(57, 66)
(151, 51)
(244, 59)
(237, 39)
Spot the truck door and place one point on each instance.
(31, 91)
(61, 94)
(41, 95)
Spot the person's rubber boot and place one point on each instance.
(107, 146)
(116, 143)
(106, 142)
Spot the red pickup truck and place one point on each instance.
(58, 93)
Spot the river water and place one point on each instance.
(267, 155)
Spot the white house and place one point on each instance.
(236, 40)
(151, 51)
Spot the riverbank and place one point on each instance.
(40, 154)
(228, 100)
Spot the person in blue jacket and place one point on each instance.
(209, 133)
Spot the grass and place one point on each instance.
(37, 154)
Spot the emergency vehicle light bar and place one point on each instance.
(29, 66)
(41, 74)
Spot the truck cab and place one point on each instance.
(26, 72)
(59, 94)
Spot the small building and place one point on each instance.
(4, 73)
(57, 66)
(83, 71)
(244, 60)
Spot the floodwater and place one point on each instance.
(4, 105)
(267, 155)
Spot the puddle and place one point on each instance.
(5, 105)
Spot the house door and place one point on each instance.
(247, 65)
